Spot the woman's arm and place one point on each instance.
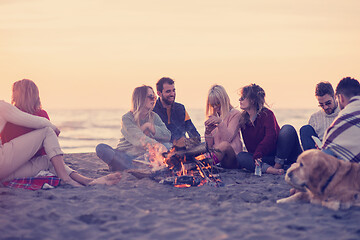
(162, 133)
(209, 134)
(133, 133)
(148, 129)
(13, 115)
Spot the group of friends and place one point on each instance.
(240, 139)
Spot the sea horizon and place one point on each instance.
(82, 129)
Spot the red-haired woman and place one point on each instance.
(17, 156)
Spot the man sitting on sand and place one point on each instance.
(321, 120)
(173, 114)
(343, 136)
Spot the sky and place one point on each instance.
(92, 54)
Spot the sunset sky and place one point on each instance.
(92, 53)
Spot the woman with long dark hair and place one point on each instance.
(267, 145)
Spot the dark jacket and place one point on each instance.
(177, 126)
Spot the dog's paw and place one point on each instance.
(283, 200)
(334, 205)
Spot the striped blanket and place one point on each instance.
(33, 183)
(343, 135)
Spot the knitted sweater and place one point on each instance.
(228, 131)
(134, 141)
(260, 137)
(320, 121)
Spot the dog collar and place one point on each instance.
(328, 181)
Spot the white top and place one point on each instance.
(10, 113)
(320, 121)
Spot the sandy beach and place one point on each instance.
(245, 208)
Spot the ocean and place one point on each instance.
(82, 130)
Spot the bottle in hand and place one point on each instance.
(258, 169)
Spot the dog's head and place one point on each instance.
(311, 171)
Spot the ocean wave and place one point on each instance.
(109, 126)
(71, 125)
(88, 138)
(82, 130)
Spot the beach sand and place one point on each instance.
(245, 208)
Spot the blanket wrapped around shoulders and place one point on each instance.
(343, 135)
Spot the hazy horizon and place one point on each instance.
(92, 54)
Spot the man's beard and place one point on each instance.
(331, 111)
(167, 102)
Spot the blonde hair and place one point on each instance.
(217, 95)
(138, 103)
(25, 96)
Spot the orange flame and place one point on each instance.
(156, 158)
(182, 186)
(200, 157)
(157, 161)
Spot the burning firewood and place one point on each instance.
(183, 168)
(197, 150)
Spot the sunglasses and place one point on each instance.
(327, 103)
(242, 98)
(151, 97)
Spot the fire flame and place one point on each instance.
(202, 170)
(182, 185)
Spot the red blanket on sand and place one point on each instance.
(32, 183)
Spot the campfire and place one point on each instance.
(182, 167)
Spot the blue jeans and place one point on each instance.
(117, 160)
(246, 160)
(307, 142)
(288, 146)
(287, 150)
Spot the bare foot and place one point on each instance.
(71, 182)
(292, 191)
(110, 179)
(277, 166)
(275, 171)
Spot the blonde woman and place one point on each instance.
(222, 127)
(141, 128)
(25, 96)
(17, 156)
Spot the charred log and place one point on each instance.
(182, 180)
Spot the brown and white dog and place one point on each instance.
(325, 180)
